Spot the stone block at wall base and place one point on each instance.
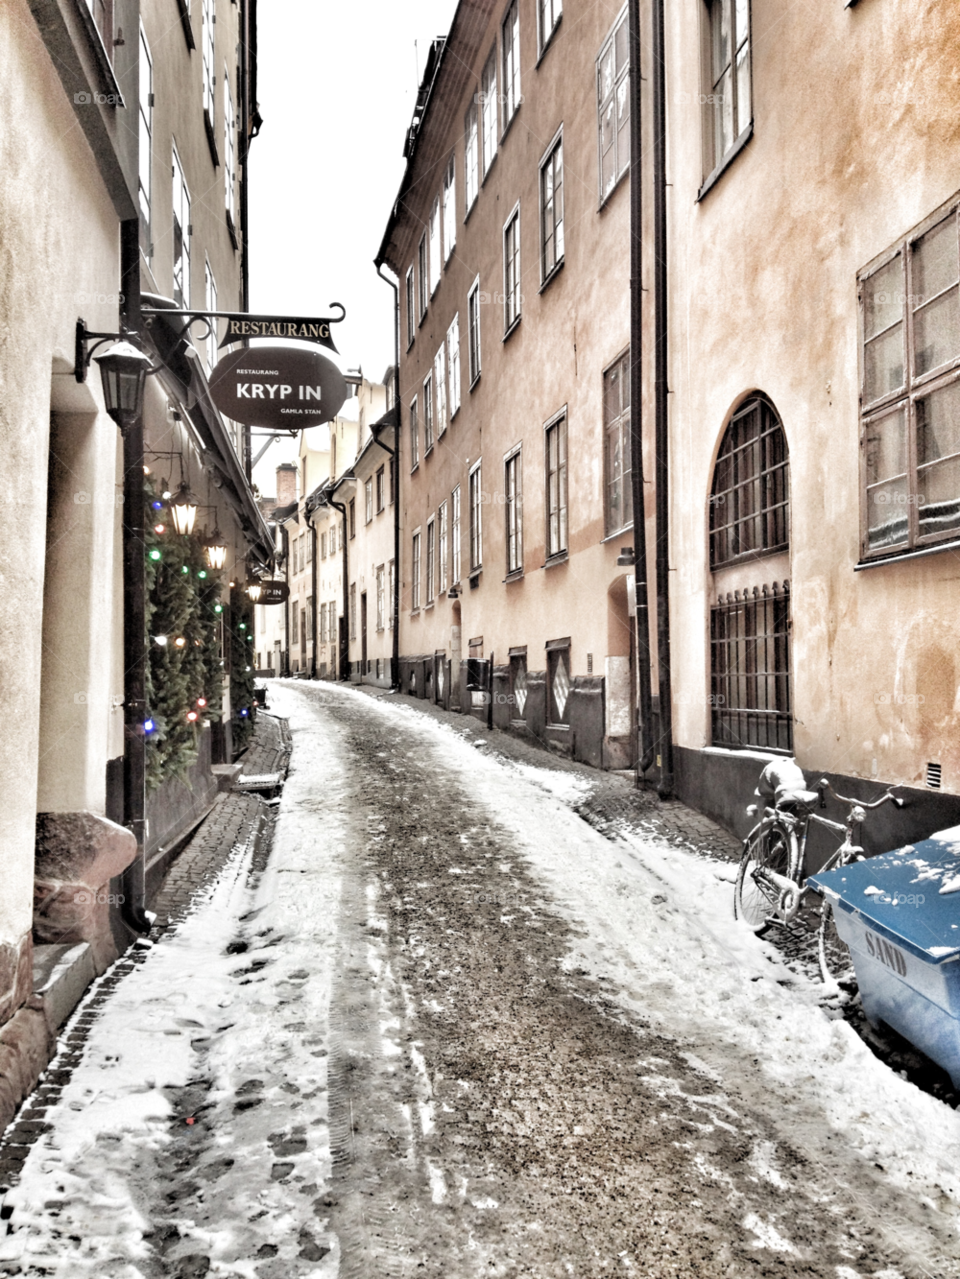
(16, 978)
(26, 1046)
(77, 855)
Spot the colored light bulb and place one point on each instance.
(155, 554)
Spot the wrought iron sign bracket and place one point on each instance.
(243, 325)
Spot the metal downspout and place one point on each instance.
(344, 644)
(395, 662)
(661, 391)
(642, 623)
(134, 611)
(313, 583)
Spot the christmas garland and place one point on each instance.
(184, 616)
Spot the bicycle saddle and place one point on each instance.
(797, 801)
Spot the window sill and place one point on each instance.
(515, 576)
(187, 25)
(509, 125)
(552, 561)
(512, 329)
(554, 272)
(474, 383)
(913, 553)
(211, 140)
(415, 468)
(470, 207)
(427, 452)
(414, 612)
(725, 163)
(428, 606)
(423, 316)
(605, 199)
(231, 228)
(548, 42)
(617, 532)
(474, 578)
(108, 79)
(489, 168)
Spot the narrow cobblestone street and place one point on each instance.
(449, 1028)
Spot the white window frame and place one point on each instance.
(552, 163)
(474, 361)
(449, 208)
(442, 540)
(471, 156)
(435, 251)
(440, 389)
(510, 64)
(489, 114)
(423, 282)
(549, 13)
(415, 571)
(431, 561)
(511, 282)
(475, 496)
(411, 306)
(427, 414)
(615, 98)
(453, 365)
(208, 21)
(229, 148)
(559, 544)
(145, 163)
(414, 435)
(368, 500)
(181, 214)
(210, 289)
(455, 541)
(513, 508)
(380, 595)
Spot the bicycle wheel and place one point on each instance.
(755, 900)
(836, 966)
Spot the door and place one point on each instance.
(363, 633)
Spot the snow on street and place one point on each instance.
(452, 1030)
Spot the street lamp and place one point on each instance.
(183, 509)
(123, 372)
(216, 549)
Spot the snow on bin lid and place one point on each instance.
(913, 893)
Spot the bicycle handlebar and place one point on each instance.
(888, 795)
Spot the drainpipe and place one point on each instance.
(134, 612)
(285, 551)
(344, 643)
(395, 662)
(642, 622)
(313, 583)
(661, 391)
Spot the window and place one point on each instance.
(392, 472)
(368, 500)
(323, 623)
(473, 331)
(414, 436)
(518, 682)
(411, 319)
(471, 176)
(380, 490)
(431, 559)
(390, 589)
(353, 610)
(442, 546)
(208, 18)
(750, 670)
(422, 275)
(618, 480)
(415, 572)
(295, 623)
(440, 384)
(510, 47)
(728, 93)
(380, 597)
(102, 12)
(210, 288)
(308, 544)
(549, 13)
(476, 520)
(910, 430)
(449, 208)
(511, 271)
(428, 414)
(353, 517)
(434, 233)
(323, 546)
(513, 502)
(229, 151)
(749, 502)
(613, 99)
(308, 620)
(146, 145)
(455, 535)
(551, 211)
(488, 110)
(556, 460)
(453, 363)
(558, 681)
(182, 231)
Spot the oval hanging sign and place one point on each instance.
(283, 388)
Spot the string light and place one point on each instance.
(191, 716)
(202, 573)
(159, 528)
(180, 641)
(157, 506)
(185, 569)
(218, 608)
(201, 701)
(155, 555)
(161, 640)
(148, 726)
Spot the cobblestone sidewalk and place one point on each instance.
(237, 820)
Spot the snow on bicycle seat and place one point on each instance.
(797, 800)
(780, 777)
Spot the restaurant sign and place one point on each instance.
(282, 388)
(262, 591)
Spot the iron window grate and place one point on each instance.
(750, 694)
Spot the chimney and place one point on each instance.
(286, 484)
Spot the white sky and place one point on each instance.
(337, 87)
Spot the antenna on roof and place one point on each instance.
(416, 59)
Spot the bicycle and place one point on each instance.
(771, 880)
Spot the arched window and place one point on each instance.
(750, 500)
(750, 694)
